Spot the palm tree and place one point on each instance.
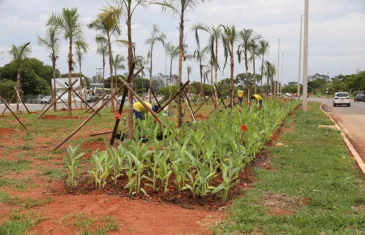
(81, 49)
(270, 73)
(107, 23)
(141, 62)
(127, 8)
(201, 55)
(215, 33)
(248, 37)
(254, 53)
(172, 52)
(19, 54)
(118, 64)
(102, 49)
(156, 36)
(69, 23)
(51, 42)
(179, 7)
(263, 50)
(229, 38)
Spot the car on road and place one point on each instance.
(341, 98)
(46, 100)
(90, 98)
(360, 97)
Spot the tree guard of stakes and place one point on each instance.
(11, 111)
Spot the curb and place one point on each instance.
(350, 147)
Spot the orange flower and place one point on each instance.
(259, 108)
(243, 127)
(150, 148)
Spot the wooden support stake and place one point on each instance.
(96, 103)
(83, 124)
(187, 100)
(220, 96)
(9, 104)
(101, 133)
(154, 96)
(173, 97)
(141, 101)
(56, 100)
(206, 100)
(17, 93)
(11, 111)
(121, 105)
(84, 101)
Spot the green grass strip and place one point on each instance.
(314, 185)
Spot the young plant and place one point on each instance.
(72, 161)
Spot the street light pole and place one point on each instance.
(300, 56)
(305, 64)
(278, 75)
(282, 72)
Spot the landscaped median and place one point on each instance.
(313, 185)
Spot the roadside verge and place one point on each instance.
(350, 147)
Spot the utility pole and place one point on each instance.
(282, 72)
(305, 62)
(300, 56)
(278, 75)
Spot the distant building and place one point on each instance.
(318, 76)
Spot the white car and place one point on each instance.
(341, 98)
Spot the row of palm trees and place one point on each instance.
(107, 24)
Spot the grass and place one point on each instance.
(19, 183)
(313, 167)
(19, 223)
(13, 166)
(27, 202)
(55, 174)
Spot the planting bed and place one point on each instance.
(33, 192)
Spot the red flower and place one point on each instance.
(259, 108)
(117, 116)
(239, 110)
(243, 127)
(155, 121)
(150, 148)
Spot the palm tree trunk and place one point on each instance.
(149, 90)
(111, 71)
(216, 75)
(201, 80)
(181, 52)
(130, 66)
(81, 83)
(103, 72)
(18, 88)
(54, 81)
(247, 80)
(69, 79)
(232, 74)
(254, 75)
(262, 71)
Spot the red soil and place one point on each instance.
(54, 117)
(4, 131)
(200, 116)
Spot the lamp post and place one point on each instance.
(300, 56)
(278, 74)
(305, 62)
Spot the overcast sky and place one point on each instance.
(336, 31)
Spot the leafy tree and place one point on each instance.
(69, 23)
(108, 24)
(19, 54)
(179, 7)
(7, 89)
(201, 55)
(270, 72)
(172, 52)
(51, 42)
(156, 36)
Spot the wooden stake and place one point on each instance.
(101, 133)
(17, 93)
(9, 104)
(154, 96)
(96, 103)
(141, 101)
(83, 124)
(173, 97)
(11, 111)
(56, 100)
(84, 101)
(220, 96)
(189, 106)
(206, 100)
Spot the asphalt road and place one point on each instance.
(351, 120)
(36, 107)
